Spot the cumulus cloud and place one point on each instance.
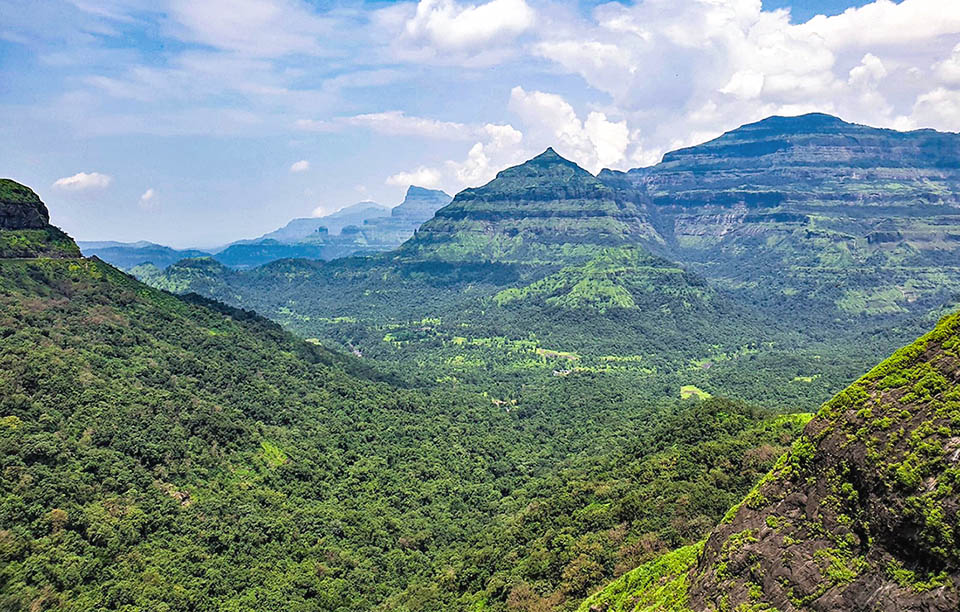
(300, 166)
(938, 109)
(446, 24)
(594, 143)
(422, 176)
(948, 70)
(680, 70)
(84, 181)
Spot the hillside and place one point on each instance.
(544, 211)
(860, 514)
(548, 267)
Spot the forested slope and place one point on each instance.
(861, 514)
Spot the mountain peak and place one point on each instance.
(550, 156)
(417, 191)
(20, 207)
(796, 124)
(547, 166)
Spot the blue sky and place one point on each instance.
(197, 123)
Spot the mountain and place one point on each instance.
(386, 233)
(830, 220)
(362, 228)
(544, 211)
(419, 205)
(535, 274)
(25, 230)
(299, 229)
(128, 255)
(860, 514)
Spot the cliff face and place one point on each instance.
(862, 514)
(20, 207)
(833, 216)
(25, 230)
(418, 205)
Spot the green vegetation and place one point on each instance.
(690, 391)
(656, 586)
(175, 453)
(488, 417)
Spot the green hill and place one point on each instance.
(534, 275)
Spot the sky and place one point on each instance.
(195, 123)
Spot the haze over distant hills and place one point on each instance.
(363, 227)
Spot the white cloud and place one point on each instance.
(948, 70)
(868, 73)
(83, 181)
(595, 143)
(500, 148)
(938, 109)
(265, 28)
(446, 24)
(300, 166)
(680, 70)
(885, 23)
(315, 125)
(148, 198)
(398, 123)
(422, 176)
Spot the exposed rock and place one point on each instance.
(25, 230)
(862, 514)
(20, 207)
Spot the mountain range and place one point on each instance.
(793, 263)
(642, 390)
(363, 227)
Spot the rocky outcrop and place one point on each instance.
(20, 207)
(418, 206)
(863, 513)
(25, 230)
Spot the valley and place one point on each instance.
(642, 390)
